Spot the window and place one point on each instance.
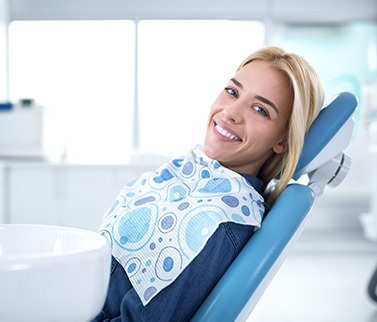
(82, 73)
(344, 55)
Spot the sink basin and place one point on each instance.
(51, 273)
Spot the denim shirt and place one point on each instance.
(180, 300)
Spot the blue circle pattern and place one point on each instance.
(156, 232)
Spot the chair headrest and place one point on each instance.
(329, 134)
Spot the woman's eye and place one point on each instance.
(261, 110)
(231, 91)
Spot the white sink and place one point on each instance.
(51, 273)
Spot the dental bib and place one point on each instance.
(160, 222)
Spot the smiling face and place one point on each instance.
(248, 121)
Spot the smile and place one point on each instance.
(226, 133)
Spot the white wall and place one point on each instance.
(4, 16)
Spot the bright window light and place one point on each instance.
(82, 73)
(183, 66)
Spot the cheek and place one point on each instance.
(263, 137)
(218, 104)
(209, 118)
(213, 110)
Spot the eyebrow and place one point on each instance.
(261, 98)
(235, 81)
(265, 100)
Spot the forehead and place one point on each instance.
(263, 74)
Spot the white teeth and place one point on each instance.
(226, 133)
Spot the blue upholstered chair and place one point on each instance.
(323, 162)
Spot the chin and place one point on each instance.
(209, 152)
(214, 154)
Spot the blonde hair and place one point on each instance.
(307, 100)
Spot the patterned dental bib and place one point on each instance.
(160, 222)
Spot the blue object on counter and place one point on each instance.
(6, 106)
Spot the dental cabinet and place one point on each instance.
(21, 129)
(60, 194)
(2, 193)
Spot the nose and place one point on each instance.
(233, 112)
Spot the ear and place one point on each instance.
(280, 146)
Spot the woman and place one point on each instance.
(174, 232)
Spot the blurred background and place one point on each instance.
(96, 92)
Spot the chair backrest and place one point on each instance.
(323, 160)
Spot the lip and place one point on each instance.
(225, 133)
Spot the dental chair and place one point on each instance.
(372, 286)
(322, 162)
